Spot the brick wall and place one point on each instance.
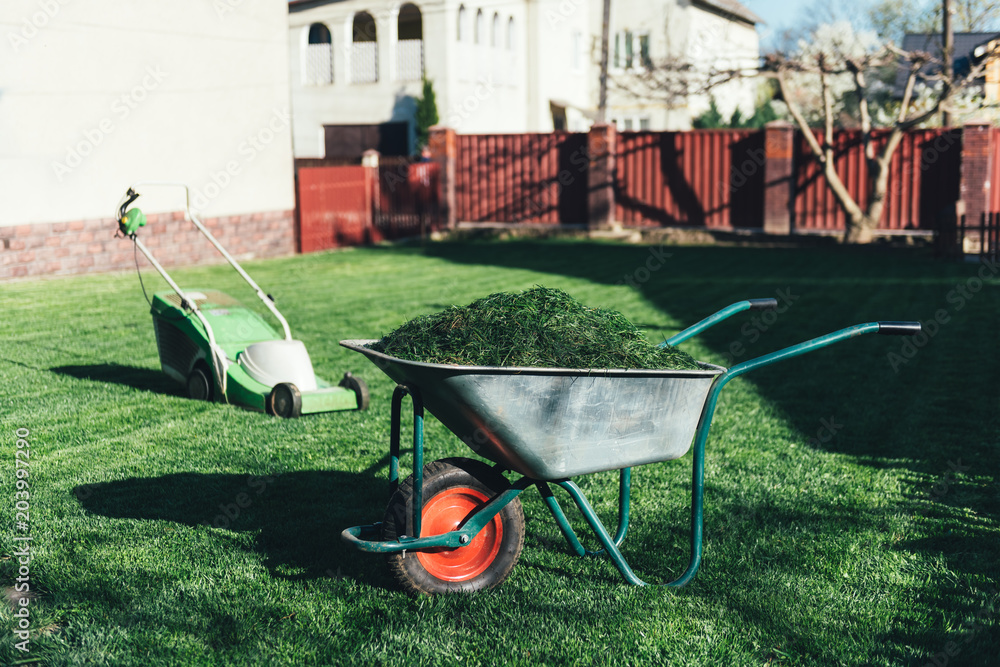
(89, 246)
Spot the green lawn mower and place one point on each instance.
(223, 351)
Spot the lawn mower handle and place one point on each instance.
(130, 196)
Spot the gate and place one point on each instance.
(354, 205)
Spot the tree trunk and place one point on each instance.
(861, 230)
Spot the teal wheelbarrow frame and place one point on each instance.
(470, 505)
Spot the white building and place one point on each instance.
(500, 65)
(95, 95)
(707, 35)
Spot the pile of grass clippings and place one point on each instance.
(540, 327)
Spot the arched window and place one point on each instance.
(480, 27)
(511, 35)
(495, 31)
(364, 49)
(317, 65)
(463, 24)
(410, 47)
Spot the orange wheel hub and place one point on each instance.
(447, 511)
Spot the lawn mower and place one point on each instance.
(220, 350)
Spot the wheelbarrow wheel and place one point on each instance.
(453, 489)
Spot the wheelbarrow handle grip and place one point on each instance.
(899, 328)
(763, 304)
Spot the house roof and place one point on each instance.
(731, 8)
(965, 46)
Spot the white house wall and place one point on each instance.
(95, 95)
(683, 32)
(480, 87)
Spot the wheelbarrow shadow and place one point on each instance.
(297, 515)
(143, 379)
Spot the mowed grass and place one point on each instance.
(852, 506)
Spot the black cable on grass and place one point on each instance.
(540, 327)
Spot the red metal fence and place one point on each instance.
(353, 205)
(521, 178)
(333, 206)
(703, 178)
(923, 180)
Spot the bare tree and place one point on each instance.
(879, 143)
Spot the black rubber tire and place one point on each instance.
(285, 400)
(442, 477)
(358, 386)
(200, 384)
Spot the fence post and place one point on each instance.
(444, 149)
(977, 163)
(601, 148)
(779, 177)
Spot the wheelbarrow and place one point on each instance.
(456, 524)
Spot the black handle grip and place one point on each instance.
(899, 328)
(763, 304)
(131, 195)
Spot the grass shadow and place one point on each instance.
(925, 408)
(297, 516)
(143, 379)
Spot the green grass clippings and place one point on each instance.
(539, 327)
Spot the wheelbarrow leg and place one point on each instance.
(418, 448)
(624, 493)
(697, 506)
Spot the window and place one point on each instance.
(627, 38)
(495, 31)
(364, 49)
(463, 27)
(317, 67)
(577, 46)
(480, 36)
(410, 47)
(511, 35)
(645, 60)
(644, 123)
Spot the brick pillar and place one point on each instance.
(779, 177)
(444, 149)
(601, 142)
(977, 163)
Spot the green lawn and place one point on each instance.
(852, 498)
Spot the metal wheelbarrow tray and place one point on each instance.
(461, 520)
(553, 423)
